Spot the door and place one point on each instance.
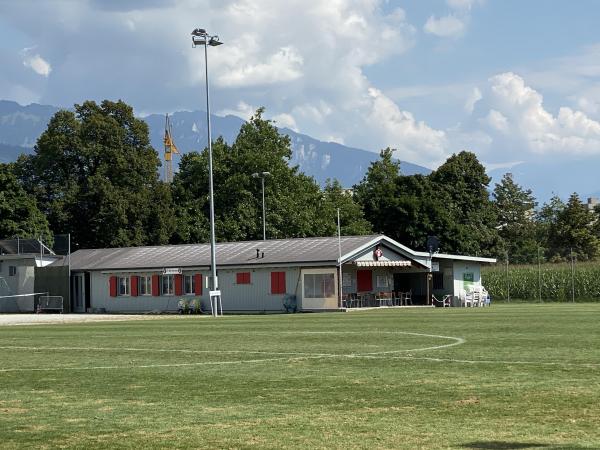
(364, 280)
(78, 292)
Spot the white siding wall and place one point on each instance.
(465, 267)
(253, 297)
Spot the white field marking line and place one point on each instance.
(293, 355)
(457, 341)
(490, 361)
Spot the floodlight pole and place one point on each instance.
(262, 176)
(340, 274)
(201, 37)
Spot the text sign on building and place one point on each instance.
(435, 266)
(171, 271)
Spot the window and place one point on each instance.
(145, 285)
(189, 284)
(438, 281)
(319, 285)
(12, 271)
(242, 278)
(123, 286)
(168, 285)
(277, 282)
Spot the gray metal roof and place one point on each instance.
(276, 251)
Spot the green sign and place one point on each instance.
(468, 277)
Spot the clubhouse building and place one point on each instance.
(268, 276)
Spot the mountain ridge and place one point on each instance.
(20, 126)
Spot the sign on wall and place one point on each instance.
(171, 271)
(435, 266)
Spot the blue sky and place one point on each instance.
(517, 82)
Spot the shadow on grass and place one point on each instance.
(503, 445)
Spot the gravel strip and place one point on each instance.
(48, 319)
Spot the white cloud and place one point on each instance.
(36, 63)
(447, 26)
(463, 4)
(285, 120)
(242, 109)
(497, 121)
(472, 100)
(415, 141)
(518, 110)
(283, 66)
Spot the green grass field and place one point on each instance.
(506, 377)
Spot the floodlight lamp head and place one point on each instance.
(214, 41)
(200, 32)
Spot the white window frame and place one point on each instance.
(192, 284)
(127, 286)
(146, 281)
(323, 302)
(170, 285)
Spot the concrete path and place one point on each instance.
(45, 319)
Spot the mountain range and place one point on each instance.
(20, 126)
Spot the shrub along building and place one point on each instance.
(269, 276)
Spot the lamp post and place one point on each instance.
(262, 176)
(201, 37)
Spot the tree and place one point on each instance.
(295, 205)
(573, 230)
(463, 178)
(95, 176)
(19, 214)
(352, 220)
(515, 214)
(377, 192)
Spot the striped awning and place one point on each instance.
(382, 263)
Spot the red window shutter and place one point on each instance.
(178, 284)
(277, 282)
(134, 285)
(242, 278)
(364, 280)
(198, 283)
(282, 282)
(274, 283)
(113, 286)
(155, 285)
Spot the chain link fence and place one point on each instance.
(567, 281)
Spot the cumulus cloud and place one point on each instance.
(518, 110)
(454, 24)
(472, 99)
(36, 63)
(447, 26)
(414, 140)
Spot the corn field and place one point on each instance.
(552, 282)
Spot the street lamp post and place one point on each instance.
(262, 176)
(201, 37)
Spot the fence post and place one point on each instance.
(572, 277)
(507, 280)
(539, 275)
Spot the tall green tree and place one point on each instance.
(352, 220)
(515, 220)
(463, 178)
(295, 204)
(95, 176)
(377, 192)
(19, 214)
(573, 230)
